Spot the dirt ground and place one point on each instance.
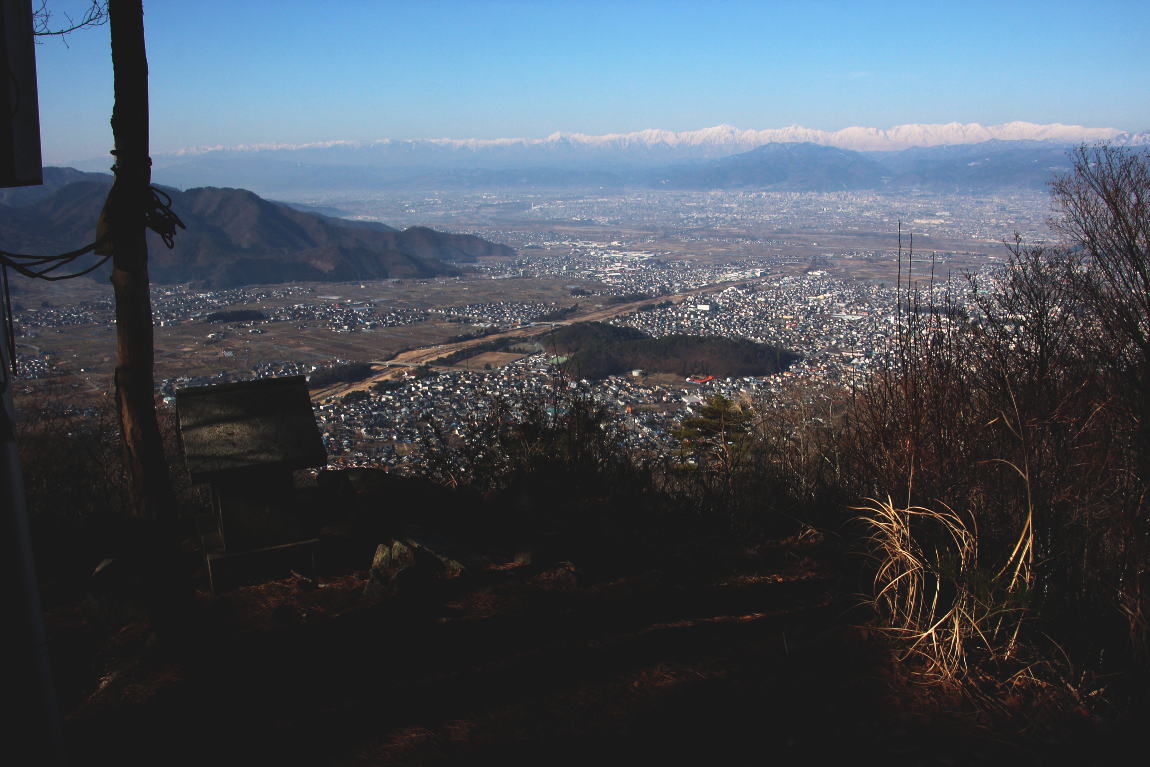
(494, 359)
(756, 659)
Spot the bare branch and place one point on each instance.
(95, 15)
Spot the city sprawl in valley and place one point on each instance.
(810, 273)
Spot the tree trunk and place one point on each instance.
(125, 222)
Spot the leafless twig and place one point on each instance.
(95, 15)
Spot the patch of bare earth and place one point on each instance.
(752, 659)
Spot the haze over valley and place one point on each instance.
(969, 158)
(808, 272)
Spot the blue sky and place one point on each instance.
(255, 71)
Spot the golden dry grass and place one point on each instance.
(932, 594)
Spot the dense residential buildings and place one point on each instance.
(713, 272)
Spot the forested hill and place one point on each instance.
(596, 350)
(234, 237)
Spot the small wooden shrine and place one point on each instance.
(245, 439)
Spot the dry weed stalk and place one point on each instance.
(931, 593)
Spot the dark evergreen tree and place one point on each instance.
(717, 437)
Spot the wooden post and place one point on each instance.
(34, 725)
(124, 219)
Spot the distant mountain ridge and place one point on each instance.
(973, 168)
(54, 180)
(730, 139)
(234, 237)
(649, 158)
(791, 166)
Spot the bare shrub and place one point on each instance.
(76, 488)
(1104, 209)
(71, 458)
(1019, 431)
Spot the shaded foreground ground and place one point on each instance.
(754, 658)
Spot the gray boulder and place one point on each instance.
(405, 566)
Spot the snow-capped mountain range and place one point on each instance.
(727, 139)
(951, 155)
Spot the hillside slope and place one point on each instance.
(234, 237)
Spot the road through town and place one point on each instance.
(398, 366)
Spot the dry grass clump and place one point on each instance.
(933, 597)
(1017, 418)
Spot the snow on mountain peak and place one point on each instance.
(728, 138)
(855, 137)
